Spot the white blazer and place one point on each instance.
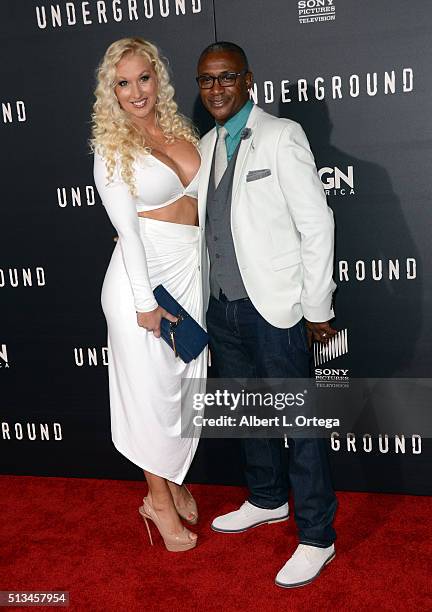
(282, 228)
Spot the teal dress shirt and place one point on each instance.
(234, 128)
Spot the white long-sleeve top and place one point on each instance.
(157, 186)
(122, 211)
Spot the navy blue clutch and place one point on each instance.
(186, 337)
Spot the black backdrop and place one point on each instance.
(355, 74)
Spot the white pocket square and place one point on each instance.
(255, 175)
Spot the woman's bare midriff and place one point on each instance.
(183, 211)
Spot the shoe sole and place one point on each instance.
(305, 582)
(278, 520)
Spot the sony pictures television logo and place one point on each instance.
(325, 375)
(4, 361)
(316, 11)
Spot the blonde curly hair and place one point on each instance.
(114, 136)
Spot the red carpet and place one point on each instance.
(86, 537)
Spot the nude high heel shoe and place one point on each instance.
(189, 508)
(173, 542)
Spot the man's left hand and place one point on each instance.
(320, 332)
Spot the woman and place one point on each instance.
(146, 171)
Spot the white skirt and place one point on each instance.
(145, 378)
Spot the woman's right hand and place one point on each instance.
(151, 320)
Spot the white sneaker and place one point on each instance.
(248, 516)
(305, 565)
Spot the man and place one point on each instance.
(269, 236)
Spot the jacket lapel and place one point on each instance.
(206, 160)
(245, 147)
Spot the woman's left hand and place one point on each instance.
(151, 320)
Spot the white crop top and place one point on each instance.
(157, 186)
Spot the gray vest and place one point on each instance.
(224, 271)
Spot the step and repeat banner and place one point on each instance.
(355, 74)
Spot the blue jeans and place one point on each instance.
(244, 345)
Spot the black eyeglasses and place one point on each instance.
(226, 79)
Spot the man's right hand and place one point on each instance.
(320, 332)
(151, 321)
